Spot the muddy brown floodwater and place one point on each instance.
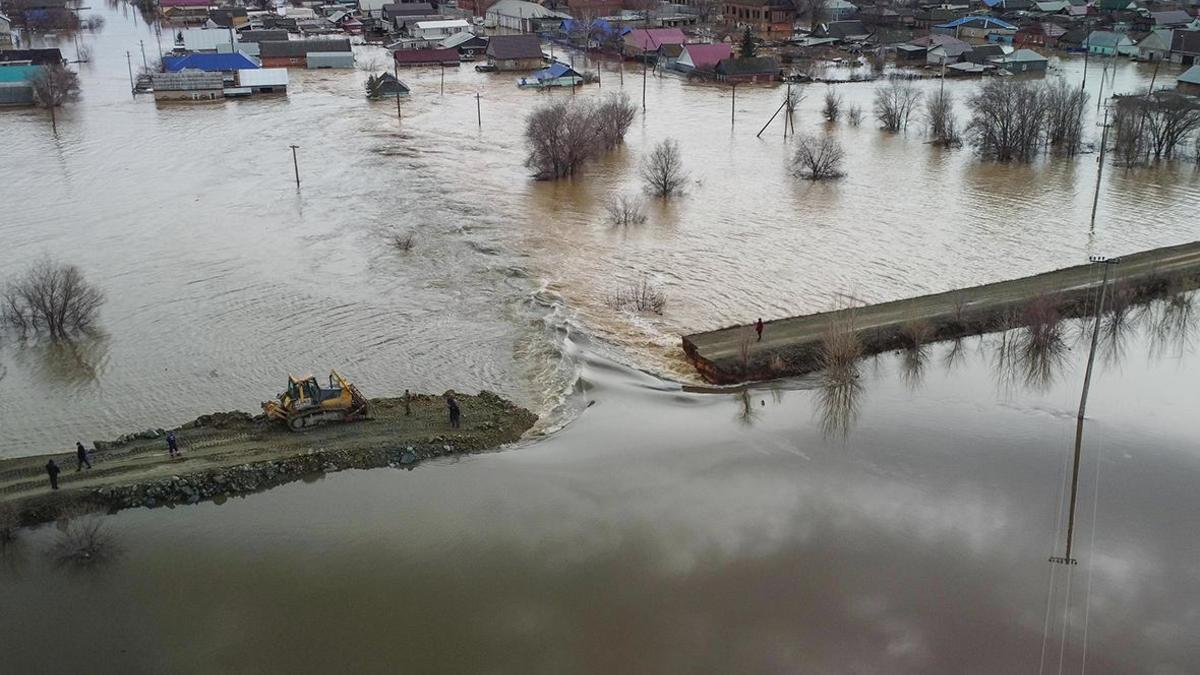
(899, 521)
(222, 277)
(667, 531)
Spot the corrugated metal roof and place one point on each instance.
(187, 80)
(330, 60)
(263, 77)
(435, 25)
(294, 48)
(210, 62)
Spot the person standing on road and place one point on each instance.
(172, 445)
(81, 459)
(52, 470)
(758, 328)
(407, 404)
(455, 412)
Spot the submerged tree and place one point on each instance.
(894, 103)
(662, 170)
(818, 159)
(563, 135)
(1064, 116)
(51, 299)
(53, 86)
(940, 122)
(1006, 119)
(833, 105)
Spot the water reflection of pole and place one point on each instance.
(733, 105)
(1087, 384)
(443, 80)
(400, 117)
(1086, 52)
(1099, 171)
(296, 164)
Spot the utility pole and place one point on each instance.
(142, 45)
(788, 102)
(296, 164)
(443, 80)
(1087, 383)
(129, 64)
(1099, 170)
(478, 111)
(1087, 50)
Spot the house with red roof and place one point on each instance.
(703, 58)
(640, 41)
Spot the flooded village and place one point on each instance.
(740, 336)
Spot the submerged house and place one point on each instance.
(16, 83)
(1108, 43)
(389, 86)
(468, 45)
(703, 58)
(1156, 46)
(1189, 81)
(264, 80)
(285, 53)
(210, 62)
(188, 85)
(648, 41)
(514, 52)
(411, 58)
(556, 75)
(753, 69)
(1022, 61)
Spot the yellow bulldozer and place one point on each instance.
(307, 404)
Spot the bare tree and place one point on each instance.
(662, 170)
(1007, 116)
(818, 159)
(614, 115)
(563, 135)
(641, 296)
(1170, 119)
(625, 210)
(1131, 144)
(51, 298)
(1064, 116)
(83, 542)
(53, 86)
(854, 115)
(833, 105)
(94, 22)
(894, 103)
(403, 241)
(940, 121)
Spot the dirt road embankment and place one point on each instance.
(234, 453)
(792, 346)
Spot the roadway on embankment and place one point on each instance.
(790, 346)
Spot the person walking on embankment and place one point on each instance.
(81, 459)
(455, 411)
(758, 327)
(52, 470)
(172, 444)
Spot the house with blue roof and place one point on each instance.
(210, 62)
(556, 75)
(976, 26)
